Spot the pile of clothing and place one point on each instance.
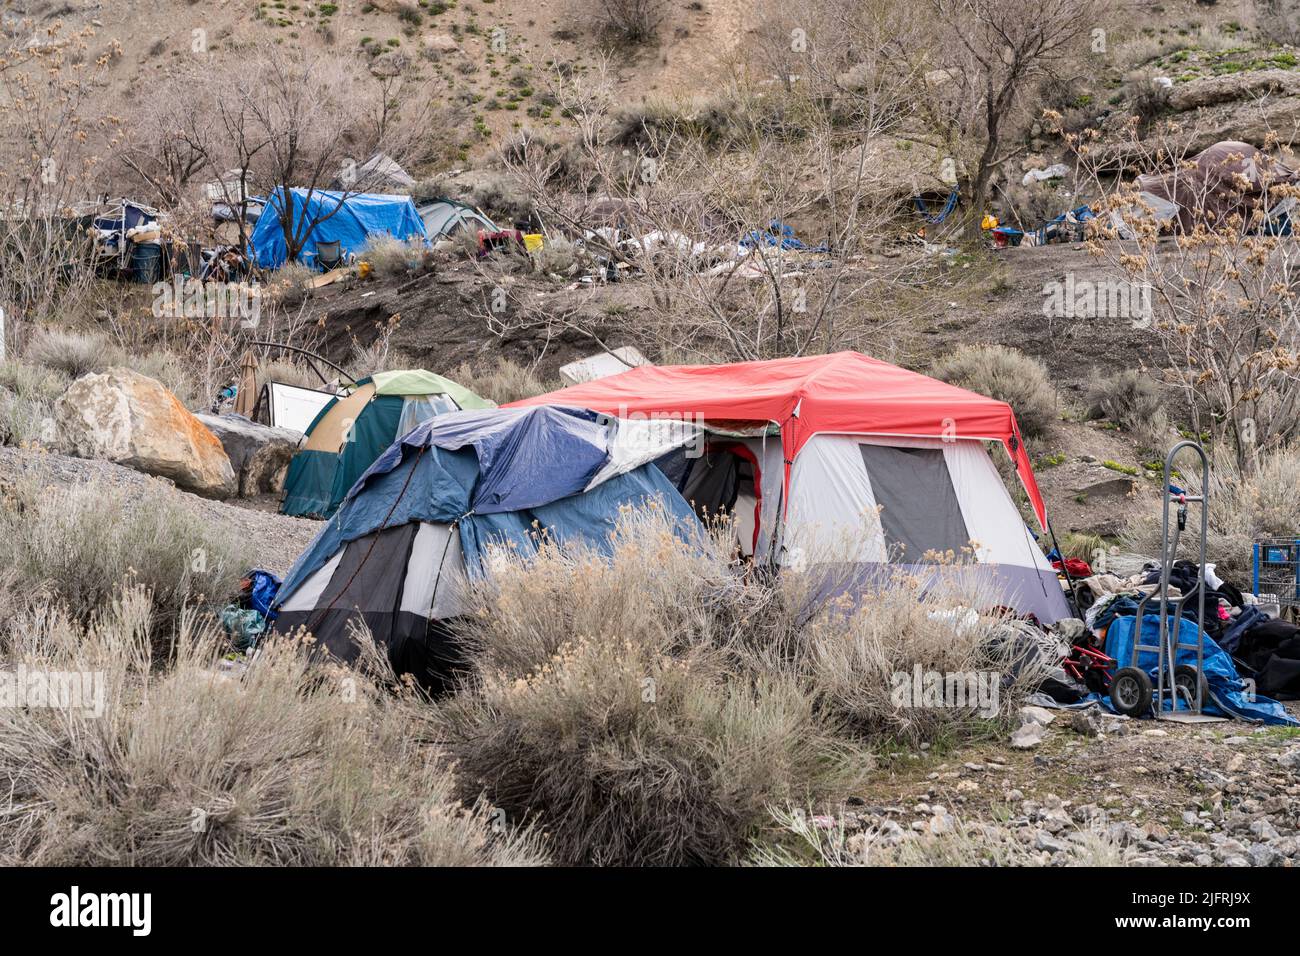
(246, 620)
(1240, 637)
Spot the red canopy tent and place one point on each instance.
(846, 393)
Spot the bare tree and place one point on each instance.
(701, 222)
(985, 57)
(49, 162)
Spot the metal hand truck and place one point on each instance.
(1180, 689)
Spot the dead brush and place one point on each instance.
(860, 657)
(607, 702)
(276, 763)
(83, 541)
(645, 702)
(501, 381)
(1005, 374)
(1243, 508)
(627, 756)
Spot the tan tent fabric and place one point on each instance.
(1227, 179)
(246, 393)
(329, 432)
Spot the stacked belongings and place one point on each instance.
(1110, 604)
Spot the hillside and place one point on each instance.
(785, 599)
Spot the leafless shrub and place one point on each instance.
(1007, 375)
(278, 763)
(632, 21)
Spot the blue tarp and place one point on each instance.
(1229, 695)
(504, 474)
(349, 219)
(779, 234)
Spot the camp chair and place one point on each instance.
(329, 255)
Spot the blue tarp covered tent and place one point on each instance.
(428, 515)
(349, 219)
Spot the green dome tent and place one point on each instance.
(351, 432)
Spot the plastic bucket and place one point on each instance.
(146, 263)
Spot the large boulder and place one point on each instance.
(1249, 86)
(131, 419)
(259, 454)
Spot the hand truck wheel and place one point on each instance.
(1188, 683)
(1130, 691)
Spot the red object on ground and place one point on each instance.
(846, 393)
(1077, 567)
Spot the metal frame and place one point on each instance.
(1167, 648)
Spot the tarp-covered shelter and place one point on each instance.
(351, 432)
(1225, 180)
(380, 171)
(849, 463)
(324, 216)
(423, 519)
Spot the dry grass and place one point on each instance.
(390, 256)
(801, 842)
(27, 396)
(648, 707)
(281, 763)
(1007, 375)
(72, 353)
(81, 543)
(1243, 508)
(501, 381)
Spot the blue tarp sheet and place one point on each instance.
(1229, 695)
(504, 474)
(338, 217)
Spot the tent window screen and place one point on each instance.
(919, 512)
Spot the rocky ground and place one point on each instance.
(1097, 789)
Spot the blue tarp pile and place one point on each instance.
(779, 234)
(1229, 696)
(349, 219)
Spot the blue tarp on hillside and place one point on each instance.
(1229, 695)
(338, 217)
(504, 474)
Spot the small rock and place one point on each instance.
(1028, 736)
(1261, 854)
(1045, 841)
(1264, 830)
(1086, 722)
(1036, 715)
